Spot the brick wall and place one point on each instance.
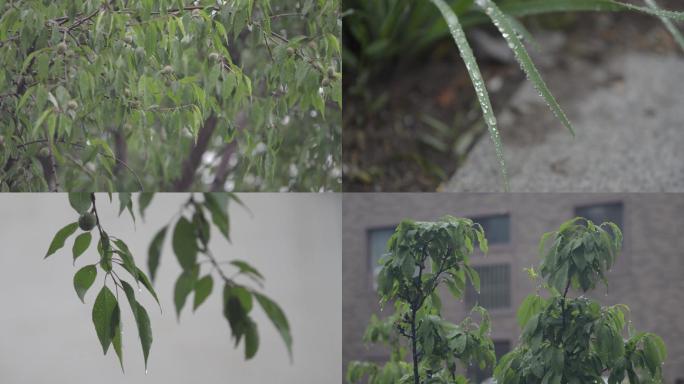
(648, 276)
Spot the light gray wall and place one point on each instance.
(46, 334)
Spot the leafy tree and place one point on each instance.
(421, 257)
(575, 339)
(190, 243)
(122, 95)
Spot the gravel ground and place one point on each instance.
(629, 120)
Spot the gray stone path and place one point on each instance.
(628, 114)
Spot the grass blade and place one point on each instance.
(668, 24)
(545, 6)
(502, 22)
(476, 78)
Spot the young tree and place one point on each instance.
(177, 95)
(421, 257)
(190, 243)
(575, 339)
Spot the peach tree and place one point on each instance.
(191, 233)
(118, 95)
(568, 340)
(422, 256)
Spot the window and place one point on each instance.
(377, 239)
(477, 375)
(495, 287)
(497, 228)
(598, 213)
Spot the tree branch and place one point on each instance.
(193, 161)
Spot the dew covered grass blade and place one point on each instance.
(503, 23)
(676, 34)
(476, 78)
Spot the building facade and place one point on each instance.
(647, 275)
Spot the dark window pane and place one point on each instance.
(495, 287)
(600, 213)
(497, 228)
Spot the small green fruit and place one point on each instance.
(325, 82)
(128, 39)
(61, 47)
(44, 152)
(214, 57)
(167, 70)
(87, 221)
(290, 51)
(72, 104)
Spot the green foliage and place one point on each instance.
(377, 33)
(170, 95)
(191, 239)
(190, 244)
(421, 255)
(576, 340)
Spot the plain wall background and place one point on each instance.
(47, 335)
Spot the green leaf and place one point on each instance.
(142, 320)
(671, 27)
(41, 119)
(81, 244)
(251, 340)
(105, 317)
(144, 201)
(532, 305)
(203, 289)
(476, 78)
(278, 319)
(473, 276)
(60, 238)
(154, 252)
(148, 285)
(83, 280)
(80, 201)
(185, 284)
(116, 340)
(185, 244)
(502, 22)
(217, 203)
(248, 270)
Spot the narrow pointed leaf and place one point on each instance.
(116, 338)
(81, 244)
(105, 317)
(203, 289)
(503, 23)
(61, 236)
(184, 243)
(674, 31)
(185, 284)
(83, 280)
(251, 340)
(476, 78)
(142, 320)
(142, 277)
(278, 319)
(217, 203)
(154, 252)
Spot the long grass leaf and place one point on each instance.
(476, 78)
(503, 23)
(536, 7)
(668, 24)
